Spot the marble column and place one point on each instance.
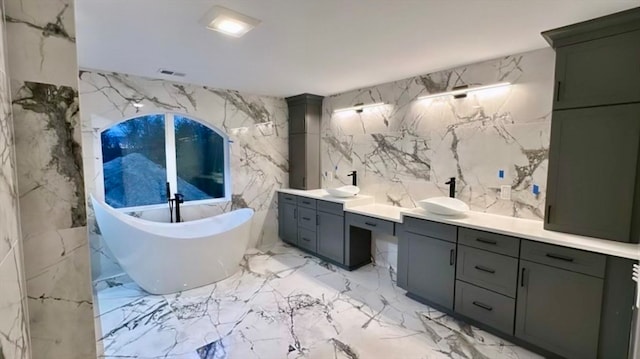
(43, 71)
(14, 331)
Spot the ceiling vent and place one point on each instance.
(171, 73)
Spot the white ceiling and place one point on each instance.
(316, 46)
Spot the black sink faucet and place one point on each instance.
(354, 180)
(452, 187)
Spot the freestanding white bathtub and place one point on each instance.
(166, 258)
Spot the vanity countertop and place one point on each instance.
(511, 226)
(380, 211)
(530, 229)
(349, 202)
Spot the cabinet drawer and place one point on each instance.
(431, 229)
(306, 202)
(307, 239)
(331, 207)
(489, 241)
(370, 223)
(287, 198)
(565, 258)
(307, 218)
(487, 307)
(488, 270)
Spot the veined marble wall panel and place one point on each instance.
(41, 41)
(14, 331)
(257, 125)
(406, 150)
(43, 71)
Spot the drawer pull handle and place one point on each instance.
(306, 202)
(452, 256)
(483, 306)
(306, 239)
(306, 218)
(487, 241)
(295, 213)
(560, 257)
(485, 269)
(371, 224)
(522, 277)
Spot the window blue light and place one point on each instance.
(200, 160)
(139, 158)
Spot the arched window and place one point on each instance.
(142, 154)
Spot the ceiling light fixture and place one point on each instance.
(462, 91)
(228, 22)
(359, 107)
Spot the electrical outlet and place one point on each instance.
(505, 192)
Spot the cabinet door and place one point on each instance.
(297, 161)
(592, 171)
(331, 236)
(431, 269)
(289, 223)
(559, 310)
(599, 72)
(297, 118)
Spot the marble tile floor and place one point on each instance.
(286, 304)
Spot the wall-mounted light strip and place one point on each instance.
(359, 107)
(464, 91)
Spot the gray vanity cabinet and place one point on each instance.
(593, 171)
(331, 236)
(559, 310)
(431, 269)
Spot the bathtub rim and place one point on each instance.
(144, 224)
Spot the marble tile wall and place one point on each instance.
(406, 150)
(257, 125)
(14, 332)
(43, 71)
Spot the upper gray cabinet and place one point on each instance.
(593, 187)
(600, 72)
(304, 141)
(593, 171)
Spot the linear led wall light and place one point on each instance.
(359, 107)
(462, 91)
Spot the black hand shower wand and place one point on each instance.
(168, 187)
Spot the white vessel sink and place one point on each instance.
(344, 191)
(446, 206)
